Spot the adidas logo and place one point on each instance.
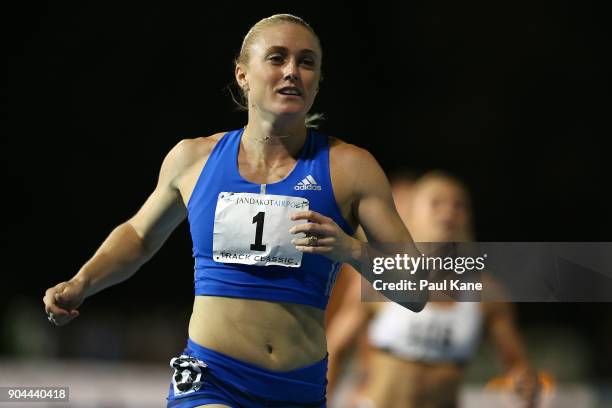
(309, 183)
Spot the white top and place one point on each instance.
(437, 333)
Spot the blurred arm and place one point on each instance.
(511, 351)
(350, 320)
(504, 335)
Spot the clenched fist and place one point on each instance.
(62, 300)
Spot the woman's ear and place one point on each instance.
(241, 79)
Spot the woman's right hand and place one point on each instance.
(62, 300)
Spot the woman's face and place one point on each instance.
(283, 70)
(440, 212)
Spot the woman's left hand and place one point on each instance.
(325, 237)
(526, 384)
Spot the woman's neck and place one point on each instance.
(270, 142)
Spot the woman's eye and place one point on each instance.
(276, 58)
(308, 62)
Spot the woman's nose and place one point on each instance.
(292, 73)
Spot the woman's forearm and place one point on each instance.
(119, 257)
(362, 259)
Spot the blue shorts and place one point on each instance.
(204, 376)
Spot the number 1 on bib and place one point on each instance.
(259, 219)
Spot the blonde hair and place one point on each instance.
(276, 19)
(312, 120)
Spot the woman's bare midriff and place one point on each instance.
(393, 382)
(274, 335)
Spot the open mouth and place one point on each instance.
(290, 91)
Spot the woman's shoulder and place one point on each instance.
(197, 146)
(189, 152)
(346, 151)
(349, 155)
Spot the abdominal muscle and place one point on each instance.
(274, 335)
(394, 382)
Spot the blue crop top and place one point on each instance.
(309, 284)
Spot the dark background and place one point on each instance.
(513, 98)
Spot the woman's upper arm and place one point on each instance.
(164, 209)
(373, 204)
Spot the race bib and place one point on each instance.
(253, 229)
